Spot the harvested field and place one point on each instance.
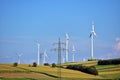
(23, 75)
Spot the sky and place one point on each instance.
(24, 23)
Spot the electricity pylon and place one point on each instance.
(59, 49)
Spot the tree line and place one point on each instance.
(109, 62)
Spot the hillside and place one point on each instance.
(44, 71)
(48, 73)
(105, 71)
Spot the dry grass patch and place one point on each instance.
(66, 73)
(112, 72)
(23, 75)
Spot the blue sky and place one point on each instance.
(25, 22)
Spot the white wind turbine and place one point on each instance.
(67, 42)
(73, 52)
(38, 45)
(19, 55)
(45, 56)
(92, 34)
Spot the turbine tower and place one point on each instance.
(45, 55)
(73, 52)
(67, 42)
(19, 55)
(38, 45)
(92, 34)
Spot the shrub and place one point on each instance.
(15, 64)
(29, 65)
(46, 64)
(34, 64)
(89, 70)
(53, 65)
(92, 70)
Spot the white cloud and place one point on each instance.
(117, 47)
(5, 57)
(24, 37)
(117, 39)
(115, 53)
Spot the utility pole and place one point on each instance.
(59, 49)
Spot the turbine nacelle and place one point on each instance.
(19, 55)
(92, 31)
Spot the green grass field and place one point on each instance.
(24, 72)
(109, 71)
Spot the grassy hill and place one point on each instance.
(44, 70)
(24, 72)
(105, 71)
(109, 71)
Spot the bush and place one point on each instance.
(34, 64)
(46, 64)
(53, 65)
(29, 65)
(109, 62)
(89, 70)
(92, 70)
(15, 64)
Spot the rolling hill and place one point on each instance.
(106, 72)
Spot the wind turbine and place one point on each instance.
(67, 42)
(45, 56)
(38, 45)
(73, 52)
(92, 34)
(19, 55)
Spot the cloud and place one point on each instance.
(117, 39)
(5, 57)
(115, 50)
(24, 37)
(117, 46)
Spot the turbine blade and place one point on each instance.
(67, 36)
(94, 34)
(21, 54)
(46, 55)
(90, 35)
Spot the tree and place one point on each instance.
(53, 65)
(15, 64)
(46, 64)
(34, 64)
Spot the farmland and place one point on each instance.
(25, 72)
